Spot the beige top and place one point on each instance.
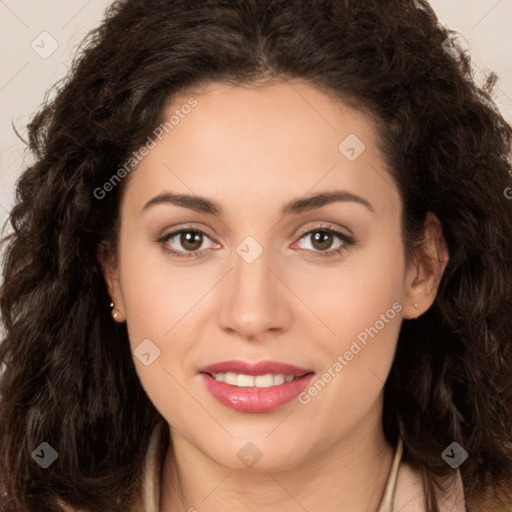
(150, 500)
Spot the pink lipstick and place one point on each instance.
(255, 387)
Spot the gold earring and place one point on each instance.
(416, 305)
(115, 313)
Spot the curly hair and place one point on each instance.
(69, 377)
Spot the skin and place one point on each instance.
(251, 150)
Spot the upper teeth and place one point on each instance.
(253, 381)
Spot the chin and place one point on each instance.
(254, 456)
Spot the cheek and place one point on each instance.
(360, 303)
(157, 299)
(156, 293)
(354, 296)
(160, 301)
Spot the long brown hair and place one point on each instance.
(69, 379)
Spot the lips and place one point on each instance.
(260, 368)
(255, 387)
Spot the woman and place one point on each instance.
(263, 261)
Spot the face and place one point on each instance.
(261, 272)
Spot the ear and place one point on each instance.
(107, 259)
(426, 269)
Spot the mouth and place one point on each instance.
(253, 381)
(260, 387)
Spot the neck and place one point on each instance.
(348, 476)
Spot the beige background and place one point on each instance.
(26, 73)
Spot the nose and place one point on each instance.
(255, 301)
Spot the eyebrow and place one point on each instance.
(205, 205)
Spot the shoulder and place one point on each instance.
(148, 497)
(410, 493)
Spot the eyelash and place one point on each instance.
(347, 241)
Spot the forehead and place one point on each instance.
(283, 139)
(292, 111)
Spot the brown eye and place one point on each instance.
(191, 240)
(186, 242)
(322, 240)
